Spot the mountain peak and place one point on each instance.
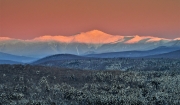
(4, 38)
(96, 32)
(137, 36)
(96, 37)
(177, 39)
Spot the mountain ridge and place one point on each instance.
(93, 34)
(79, 44)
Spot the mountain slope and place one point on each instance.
(15, 58)
(159, 50)
(9, 62)
(174, 54)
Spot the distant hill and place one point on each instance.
(60, 57)
(9, 62)
(174, 54)
(159, 50)
(132, 54)
(10, 57)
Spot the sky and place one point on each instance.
(27, 19)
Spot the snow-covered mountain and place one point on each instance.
(84, 43)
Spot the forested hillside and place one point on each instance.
(41, 85)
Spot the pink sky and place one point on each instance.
(27, 19)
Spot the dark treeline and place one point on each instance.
(123, 64)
